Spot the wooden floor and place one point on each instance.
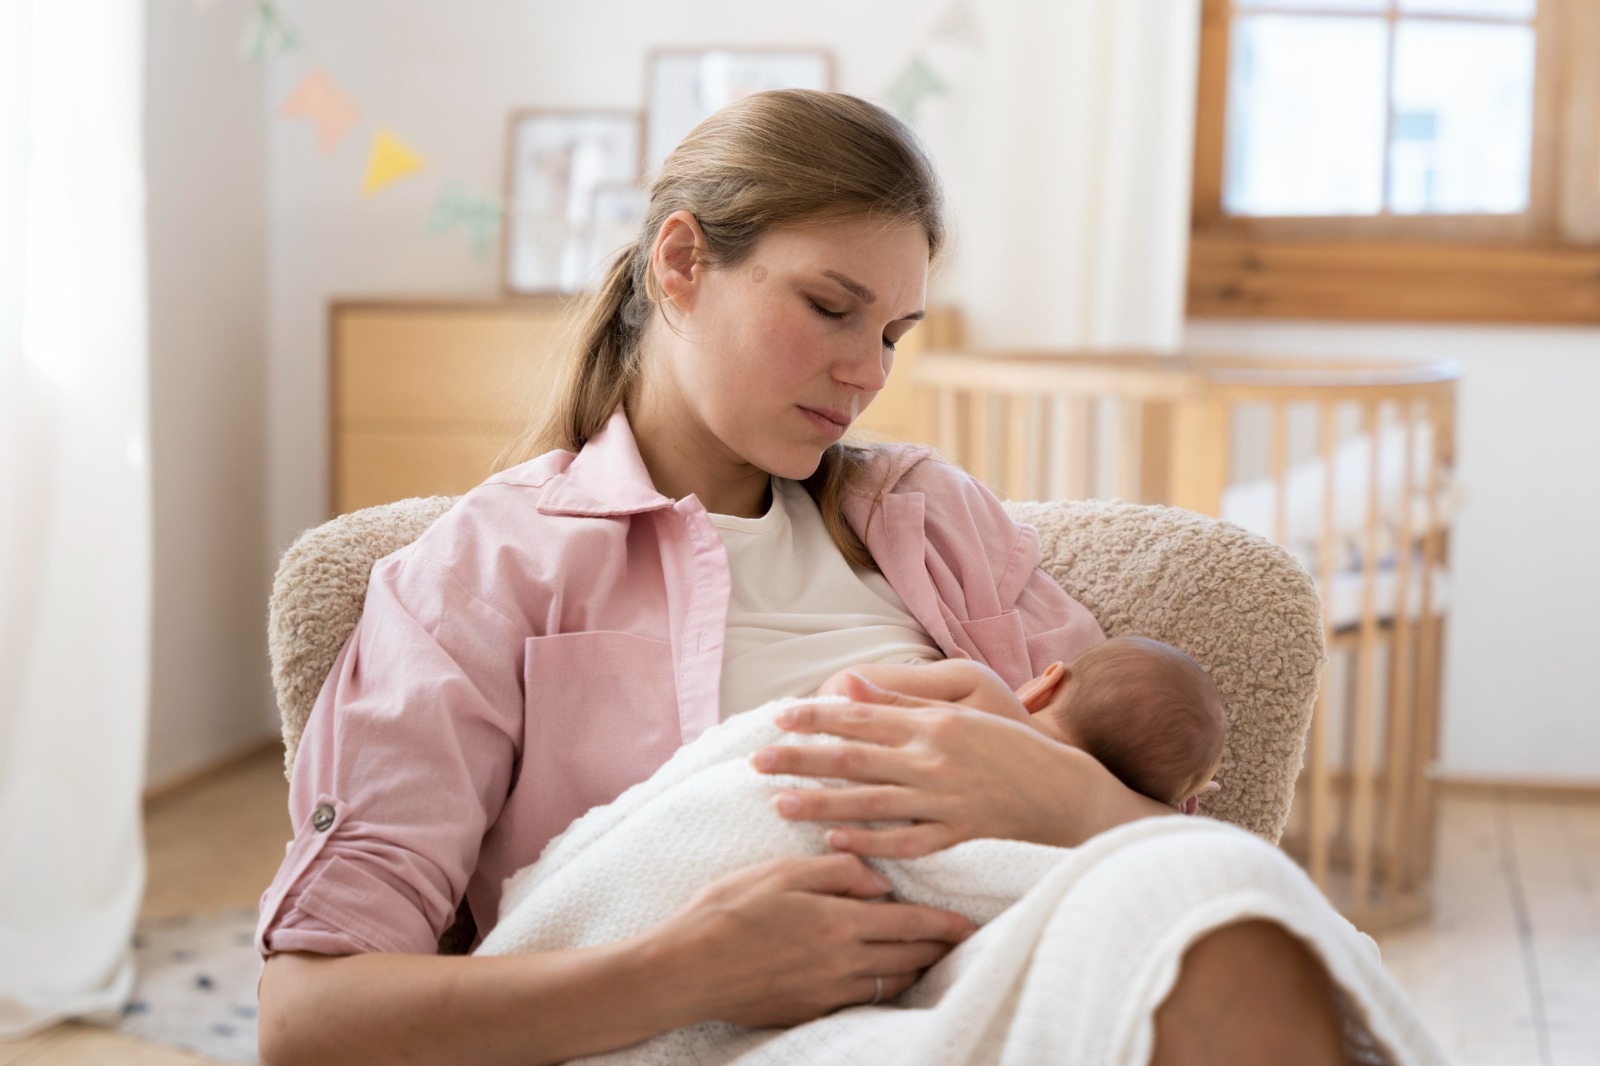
(1507, 970)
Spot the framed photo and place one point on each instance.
(555, 162)
(684, 86)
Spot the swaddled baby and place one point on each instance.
(1144, 709)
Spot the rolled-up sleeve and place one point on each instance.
(405, 761)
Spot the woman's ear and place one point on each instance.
(677, 258)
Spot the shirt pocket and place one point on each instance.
(601, 715)
(1002, 643)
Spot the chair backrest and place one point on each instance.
(1239, 605)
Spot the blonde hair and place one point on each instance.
(782, 158)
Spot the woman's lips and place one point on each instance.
(823, 422)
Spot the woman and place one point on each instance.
(556, 635)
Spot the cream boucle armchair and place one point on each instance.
(1240, 606)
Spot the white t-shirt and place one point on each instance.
(798, 610)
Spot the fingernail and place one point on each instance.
(784, 717)
(838, 838)
(764, 759)
(863, 680)
(787, 804)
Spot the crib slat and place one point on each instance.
(1364, 780)
(947, 425)
(1428, 642)
(1280, 475)
(980, 438)
(1321, 794)
(1402, 715)
(1018, 430)
(1129, 433)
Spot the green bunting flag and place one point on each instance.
(478, 215)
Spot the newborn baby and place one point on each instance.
(1146, 710)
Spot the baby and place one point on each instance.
(1143, 708)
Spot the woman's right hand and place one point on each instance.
(787, 941)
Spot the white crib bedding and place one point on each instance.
(1077, 946)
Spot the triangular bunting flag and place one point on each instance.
(389, 160)
(915, 83)
(266, 35)
(959, 26)
(320, 100)
(478, 215)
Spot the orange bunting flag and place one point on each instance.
(321, 101)
(390, 160)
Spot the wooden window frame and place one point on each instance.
(1540, 266)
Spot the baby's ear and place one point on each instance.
(1037, 694)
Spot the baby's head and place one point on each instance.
(1146, 710)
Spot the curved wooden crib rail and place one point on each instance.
(1179, 430)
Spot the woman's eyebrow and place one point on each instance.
(864, 294)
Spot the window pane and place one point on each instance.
(1463, 118)
(1516, 9)
(1305, 115)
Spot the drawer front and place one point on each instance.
(461, 367)
(373, 467)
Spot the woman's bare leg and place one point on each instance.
(1249, 993)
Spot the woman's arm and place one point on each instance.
(956, 774)
(774, 944)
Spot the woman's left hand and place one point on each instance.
(954, 772)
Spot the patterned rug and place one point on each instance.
(196, 985)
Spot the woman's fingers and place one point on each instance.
(868, 763)
(901, 842)
(834, 875)
(873, 803)
(893, 721)
(905, 923)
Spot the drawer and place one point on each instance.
(373, 467)
(448, 366)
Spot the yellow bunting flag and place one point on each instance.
(321, 101)
(390, 160)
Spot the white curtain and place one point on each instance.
(75, 554)
(1065, 136)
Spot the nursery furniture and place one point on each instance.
(1238, 604)
(1254, 441)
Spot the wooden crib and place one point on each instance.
(1347, 464)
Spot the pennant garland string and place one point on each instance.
(317, 98)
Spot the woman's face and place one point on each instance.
(773, 358)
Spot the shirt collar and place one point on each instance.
(607, 477)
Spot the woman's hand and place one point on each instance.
(955, 773)
(787, 941)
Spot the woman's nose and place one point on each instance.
(867, 372)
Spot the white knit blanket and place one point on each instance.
(1078, 946)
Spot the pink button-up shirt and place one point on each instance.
(550, 641)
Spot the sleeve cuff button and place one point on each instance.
(322, 818)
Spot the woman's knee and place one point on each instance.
(1249, 993)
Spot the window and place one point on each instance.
(1433, 159)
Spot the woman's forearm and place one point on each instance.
(523, 1009)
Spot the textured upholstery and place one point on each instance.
(1240, 606)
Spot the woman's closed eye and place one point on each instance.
(837, 315)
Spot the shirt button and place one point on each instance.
(322, 818)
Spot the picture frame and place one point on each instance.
(555, 161)
(684, 86)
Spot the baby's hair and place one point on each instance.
(1151, 718)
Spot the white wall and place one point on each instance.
(205, 150)
(1521, 701)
